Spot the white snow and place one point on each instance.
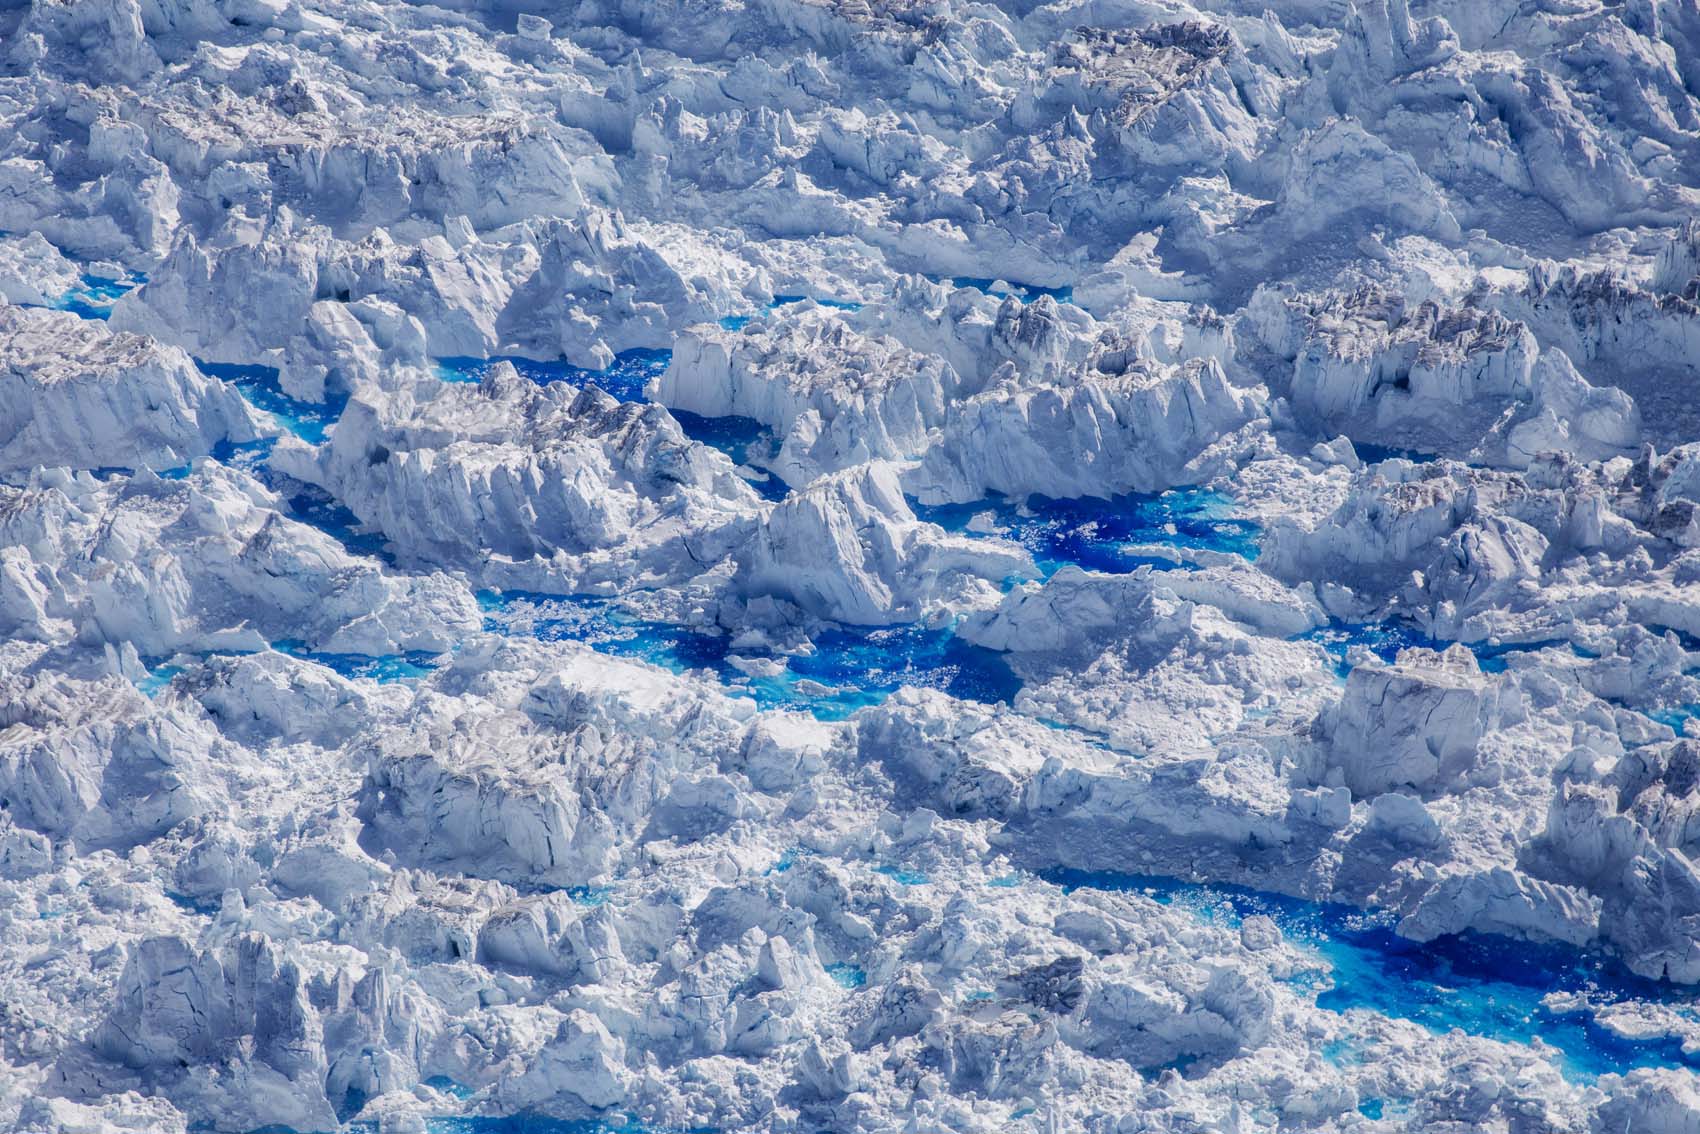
(814, 727)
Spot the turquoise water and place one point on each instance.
(161, 671)
(625, 377)
(310, 421)
(1342, 1052)
(739, 322)
(902, 876)
(1484, 985)
(787, 860)
(1676, 717)
(1100, 535)
(848, 977)
(157, 679)
(307, 420)
(449, 1087)
(850, 667)
(94, 296)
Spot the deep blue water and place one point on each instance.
(1484, 985)
(310, 421)
(1493, 658)
(625, 378)
(1023, 291)
(538, 1124)
(1096, 534)
(739, 322)
(307, 504)
(1688, 641)
(1386, 639)
(317, 508)
(247, 455)
(1026, 292)
(867, 666)
(840, 304)
(1371, 454)
(600, 623)
(850, 667)
(512, 1124)
(734, 436)
(382, 668)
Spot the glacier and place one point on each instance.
(849, 565)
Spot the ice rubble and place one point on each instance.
(301, 824)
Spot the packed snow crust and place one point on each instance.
(850, 565)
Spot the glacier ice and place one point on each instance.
(853, 565)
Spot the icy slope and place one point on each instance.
(849, 565)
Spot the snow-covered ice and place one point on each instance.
(849, 565)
